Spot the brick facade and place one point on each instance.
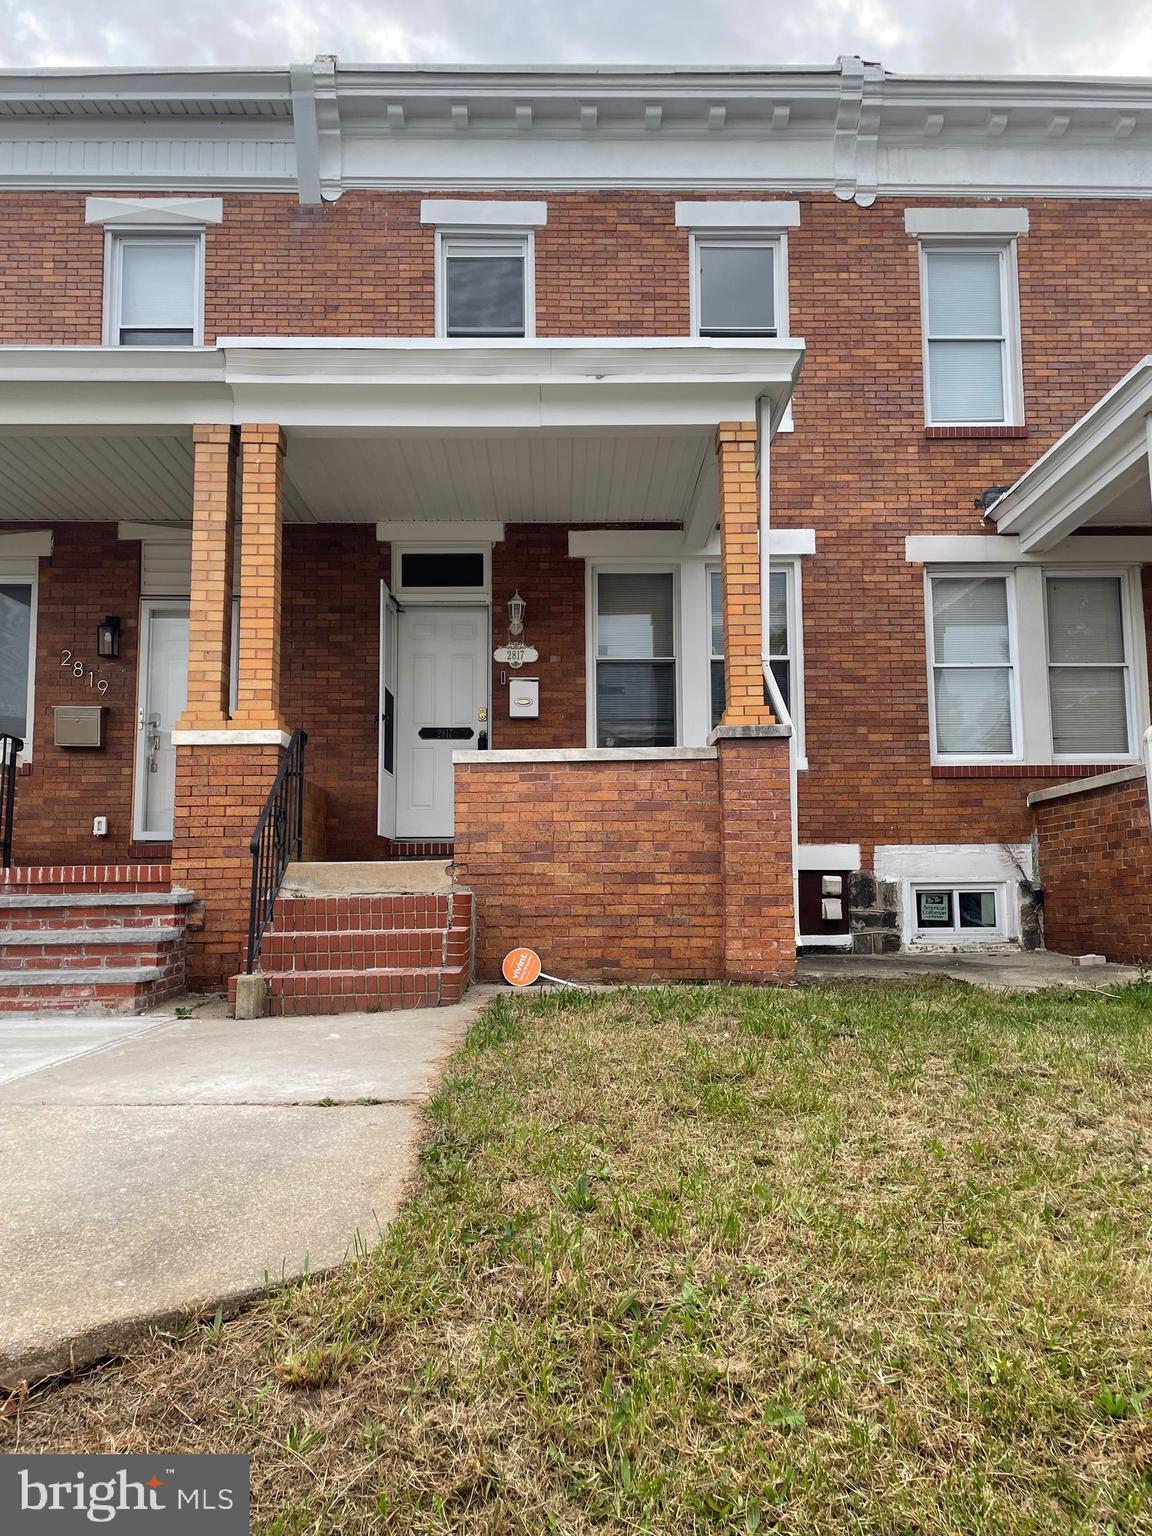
(1093, 850)
(622, 869)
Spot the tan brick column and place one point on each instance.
(261, 535)
(210, 610)
(740, 572)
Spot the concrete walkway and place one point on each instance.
(1003, 970)
(177, 1164)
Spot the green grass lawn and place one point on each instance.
(839, 1259)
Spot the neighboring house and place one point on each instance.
(323, 384)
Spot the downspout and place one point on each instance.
(775, 698)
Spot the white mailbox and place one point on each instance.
(524, 698)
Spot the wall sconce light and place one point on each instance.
(516, 610)
(108, 638)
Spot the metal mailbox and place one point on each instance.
(79, 725)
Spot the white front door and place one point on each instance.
(163, 692)
(441, 708)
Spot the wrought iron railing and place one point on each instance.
(10, 748)
(277, 840)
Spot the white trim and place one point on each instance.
(450, 535)
(389, 638)
(1010, 343)
(156, 533)
(524, 238)
(33, 545)
(455, 596)
(669, 544)
(952, 863)
(825, 941)
(737, 215)
(828, 856)
(966, 221)
(479, 214)
(178, 212)
(114, 242)
(1085, 786)
(21, 567)
(231, 738)
(589, 755)
(1004, 549)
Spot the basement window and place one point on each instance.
(957, 912)
(154, 290)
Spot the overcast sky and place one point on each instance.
(973, 36)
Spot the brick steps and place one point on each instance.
(81, 949)
(367, 953)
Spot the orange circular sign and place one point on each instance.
(521, 967)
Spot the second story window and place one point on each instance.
(485, 285)
(971, 335)
(154, 290)
(737, 282)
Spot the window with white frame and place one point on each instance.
(970, 322)
(971, 655)
(958, 912)
(1089, 690)
(781, 637)
(635, 650)
(485, 285)
(737, 285)
(155, 290)
(17, 649)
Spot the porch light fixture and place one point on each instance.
(516, 610)
(108, 638)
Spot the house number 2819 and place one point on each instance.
(80, 671)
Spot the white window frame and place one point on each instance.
(114, 241)
(18, 571)
(484, 235)
(1013, 381)
(962, 573)
(777, 241)
(1130, 600)
(453, 595)
(792, 569)
(1003, 931)
(593, 569)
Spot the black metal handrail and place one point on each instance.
(277, 840)
(10, 748)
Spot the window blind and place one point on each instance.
(966, 336)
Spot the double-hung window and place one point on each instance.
(17, 648)
(155, 288)
(635, 650)
(738, 282)
(971, 341)
(972, 658)
(781, 638)
(485, 285)
(1089, 689)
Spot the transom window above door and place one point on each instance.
(154, 290)
(635, 646)
(485, 285)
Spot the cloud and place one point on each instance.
(962, 36)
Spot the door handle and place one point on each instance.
(482, 742)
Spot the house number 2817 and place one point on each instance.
(80, 671)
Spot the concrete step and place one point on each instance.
(378, 989)
(367, 877)
(365, 949)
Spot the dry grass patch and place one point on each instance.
(847, 1259)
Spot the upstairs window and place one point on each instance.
(737, 286)
(155, 290)
(485, 285)
(971, 335)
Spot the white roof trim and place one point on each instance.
(965, 221)
(481, 214)
(117, 212)
(1004, 549)
(737, 214)
(34, 545)
(156, 533)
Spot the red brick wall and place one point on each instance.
(1094, 854)
(756, 857)
(859, 467)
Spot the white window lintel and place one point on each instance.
(480, 213)
(30, 546)
(153, 212)
(737, 215)
(1001, 222)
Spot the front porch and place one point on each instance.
(342, 562)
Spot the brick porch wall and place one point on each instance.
(1094, 850)
(626, 869)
